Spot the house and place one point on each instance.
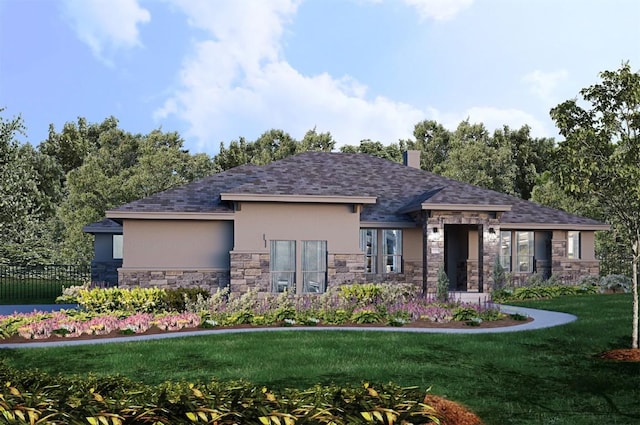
(317, 219)
(107, 257)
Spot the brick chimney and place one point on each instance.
(411, 159)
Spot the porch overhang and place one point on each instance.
(312, 199)
(430, 206)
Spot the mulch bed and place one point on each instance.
(451, 413)
(154, 331)
(622, 354)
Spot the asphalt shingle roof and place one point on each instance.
(395, 186)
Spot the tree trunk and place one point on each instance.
(634, 266)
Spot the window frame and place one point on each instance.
(117, 246)
(529, 254)
(574, 244)
(288, 273)
(369, 245)
(318, 270)
(506, 249)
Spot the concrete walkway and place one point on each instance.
(542, 319)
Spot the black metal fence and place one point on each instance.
(39, 284)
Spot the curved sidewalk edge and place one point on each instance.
(541, 319)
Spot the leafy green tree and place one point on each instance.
(121, 168)
(474, 159)
(601, 153)
(433, 141)
(392, 152)
(25, 197)
(272, 145)
(530, 156)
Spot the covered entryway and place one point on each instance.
(462, 254)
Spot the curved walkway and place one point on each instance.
(541, 319)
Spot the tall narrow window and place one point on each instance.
(283, 266)
(314, 266)
(505, 250)
(369, 245)
(524, 251)
(117, 247)
(573, 245)
(392, 250)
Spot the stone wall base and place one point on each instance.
(208, 279)
(571, 271)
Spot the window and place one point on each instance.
(524, 252)
(392, 250)
(391, 256)
(573, 245)
(314, 266)
(283, 266)
(505, 250)
(117, 247)
(369, 245)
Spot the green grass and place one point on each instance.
(548, 376)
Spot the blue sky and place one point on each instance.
(216, 70)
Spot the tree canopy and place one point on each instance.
(600, 156)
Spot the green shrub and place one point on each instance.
(176, 299)
(442, 288)
(361, 294)
(464, 313)
(499, 276)
(136, 300)
(365, 315)
(616, 283)
(34, 397)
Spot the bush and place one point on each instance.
(30, 397)
(615, 283)
(136, 300)
(176, 299)
(442, 289)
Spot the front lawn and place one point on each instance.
(550, 376)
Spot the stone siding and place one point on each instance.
(208, 279)
(344, 269)
(250, 271)
(411, 273)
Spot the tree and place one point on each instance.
(601, 153)
(530, 156)
(392, 152)
(25, 197)
(272, 145)
(474, 159)
(433, 141)
(119, 168)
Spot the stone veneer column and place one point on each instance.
(435, 252)
(490, 251)
(249, 270)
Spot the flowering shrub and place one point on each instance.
(390, 304)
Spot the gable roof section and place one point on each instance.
(387, 190)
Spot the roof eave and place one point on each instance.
(554, 226)
(314, 199)
(144, 215)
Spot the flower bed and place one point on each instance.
(354, 305)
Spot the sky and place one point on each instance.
(218, 70)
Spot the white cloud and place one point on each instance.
(239, 75)
(544, 84)
(440, 10)
(106, 25)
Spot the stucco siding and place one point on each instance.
(258, 223)
(177, 244)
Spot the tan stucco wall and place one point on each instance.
(180, 244)
(258, 223)
(587, 245)
(412, 244)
